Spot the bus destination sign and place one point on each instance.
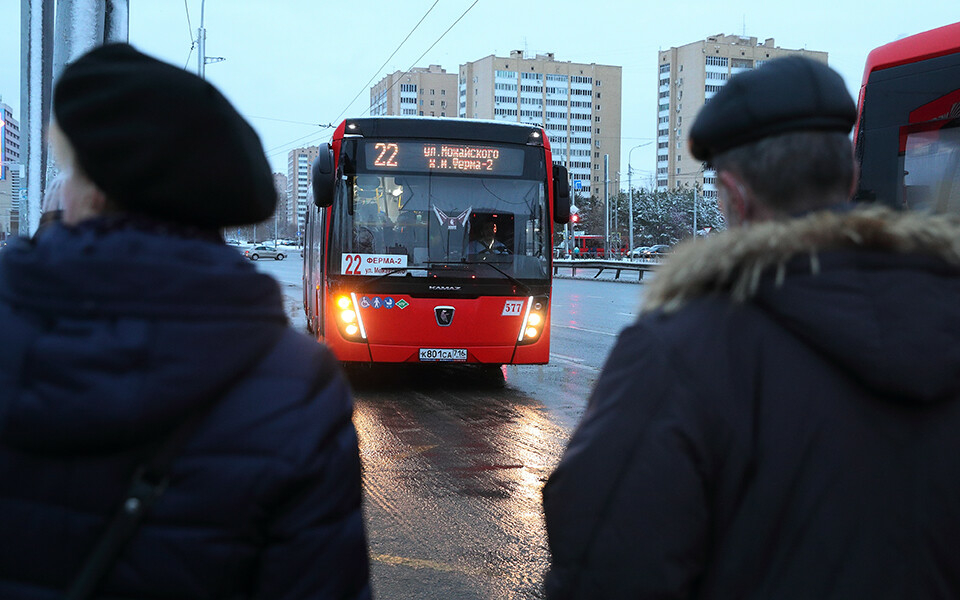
(444, 157)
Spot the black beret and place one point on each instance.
(161, 141)
(793, 93)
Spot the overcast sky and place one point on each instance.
(306, 60)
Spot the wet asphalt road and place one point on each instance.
(455, 458)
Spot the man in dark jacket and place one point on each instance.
(128, 317)
(781, 421)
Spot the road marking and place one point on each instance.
(420, 563)
(555, 324)
(573, 361)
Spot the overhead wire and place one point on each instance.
(273, 151)
(397, 49)
(469, 8)
(193, 41)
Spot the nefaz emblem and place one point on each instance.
(444, 315)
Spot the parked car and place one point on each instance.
(258, 252)
(639, 252)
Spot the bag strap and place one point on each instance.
(148, 483)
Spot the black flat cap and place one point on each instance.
(793, 93)
(161, 141)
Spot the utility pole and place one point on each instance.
(202, 45)
(606, 203)
(694, 214)
(53, 34)
(630, 191)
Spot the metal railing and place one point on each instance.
(583, 264)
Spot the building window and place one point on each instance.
(598, 131)
(433, 92)
(597, 119)
(665, 68)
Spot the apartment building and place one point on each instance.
(425, 92)
(283, 210)
(578, 104)
(299, 161)
(689, 76)
(9, 172)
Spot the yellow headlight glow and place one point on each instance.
(343, 302)
(533, 319)
(351, 329)
(531, 332)
(348, 316)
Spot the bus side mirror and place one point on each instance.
(323, 177)
(561, 194)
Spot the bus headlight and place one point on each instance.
(534, 320)
(349, 321)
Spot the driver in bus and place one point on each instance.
(488, 243)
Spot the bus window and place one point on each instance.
(931, 168)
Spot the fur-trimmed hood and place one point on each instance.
(875, 290)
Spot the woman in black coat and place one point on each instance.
(129, 316)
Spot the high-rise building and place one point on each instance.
(425, 92)
(578, 105)
(9, 171)
(299, 161)
(283, 211)
(689, 76)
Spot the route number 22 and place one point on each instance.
(353, 264)
(387, 156)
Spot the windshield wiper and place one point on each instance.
(513, 279)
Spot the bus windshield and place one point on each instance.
(429, 220)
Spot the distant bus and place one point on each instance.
(429, 240)
(907, 136)
(589, 245)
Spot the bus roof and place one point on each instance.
(445, 128)
(922, 46)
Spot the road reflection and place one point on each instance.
(454, 464)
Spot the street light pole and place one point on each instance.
(606, 204)
(630, 192)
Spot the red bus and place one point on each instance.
(429, 240)
(589, 245)
(907, 136)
